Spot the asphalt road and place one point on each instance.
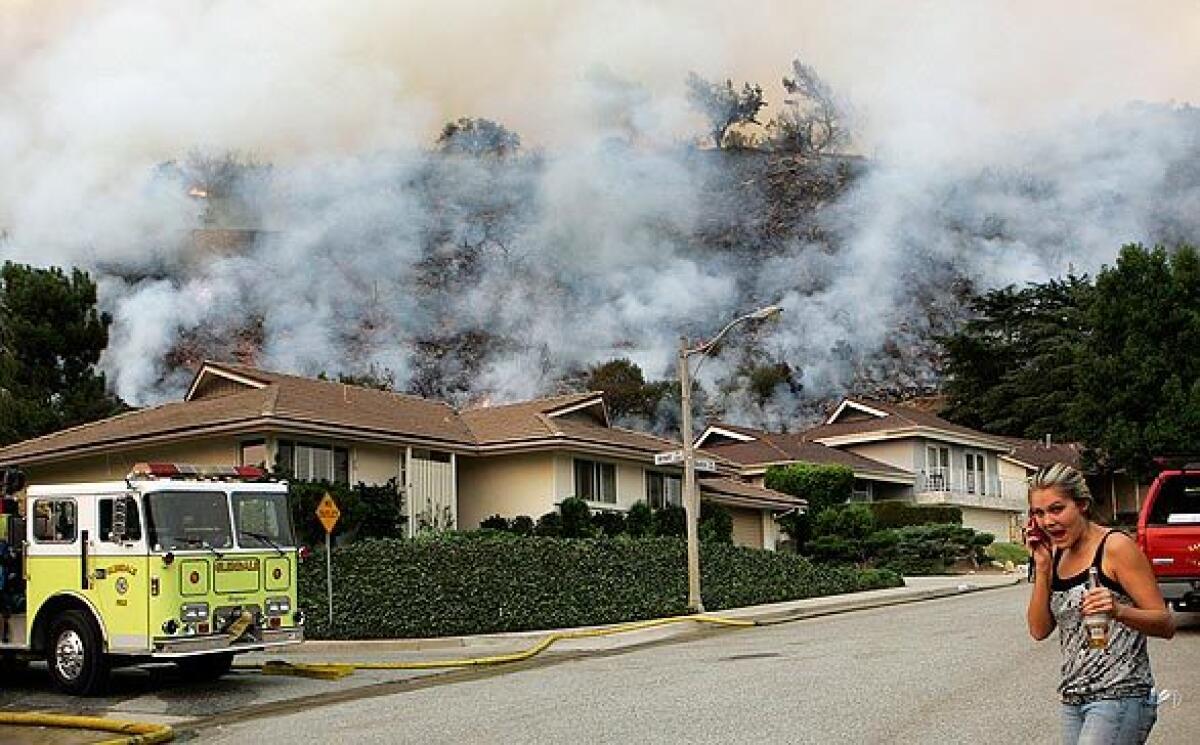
(955, 670)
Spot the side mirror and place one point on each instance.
(120, 528)
(12, 481)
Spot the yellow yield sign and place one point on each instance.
(328, 513)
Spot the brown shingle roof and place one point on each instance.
(741, 492)
(898, 417)
(1037, 453)
(770, 447)
(134, 426)
(517, 421)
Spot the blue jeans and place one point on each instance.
(1118, 721)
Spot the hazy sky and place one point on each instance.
(976, 115)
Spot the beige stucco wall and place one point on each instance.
(999, 523)
(221, 451)
(508, 485)
(375, 464)
(897, 453)
(747, 527)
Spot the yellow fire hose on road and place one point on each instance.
(137, 733)
(131, 733)
(334, 670)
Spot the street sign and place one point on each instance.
(669, 458)
(704, 464)
(328, 513)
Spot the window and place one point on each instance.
(254, 453)
(862, 491)
(1178, 502)
(663, 489)
(185, 520)
(55, 521)
(595, 482)
(976, 473)
(937, 466)
(133, 524)
(437, 456)
(308, 461)
(262, 520)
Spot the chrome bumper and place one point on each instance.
(168, 647)
(1179, 588)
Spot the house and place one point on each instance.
(454, 467)
(896, 452)
(1116, 496)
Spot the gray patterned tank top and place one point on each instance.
(1120, 670)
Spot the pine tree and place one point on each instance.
(51, 338)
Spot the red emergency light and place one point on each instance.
(189, 470)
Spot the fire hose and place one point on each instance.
(334, 670)
(131, 733)
(138, 733)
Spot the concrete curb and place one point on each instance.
(796, 610)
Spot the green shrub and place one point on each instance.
(367, 511)
(1002, 552)
(549, 525)
(576, 518)
(716, 524)
(639, 521)
(483, 582)
(609, 522)
(823, 486)
(932, 549)
(669, 521)
(495, 522)
(897, 514)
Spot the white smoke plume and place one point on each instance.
(1000, 140)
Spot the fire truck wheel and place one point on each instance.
(205, 668)
(75, 655)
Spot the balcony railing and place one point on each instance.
(970, 490)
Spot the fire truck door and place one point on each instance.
(119, 571)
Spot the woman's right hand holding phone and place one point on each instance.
(1038, 544)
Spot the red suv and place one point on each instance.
(1168, 533)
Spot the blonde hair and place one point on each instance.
(1066, 479)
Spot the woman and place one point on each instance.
(1108, 693)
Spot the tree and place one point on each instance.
(1111, 363)
(723, 105)
(625, 389)
(824, 486)
(1011, 369)
(814, 118)
(51, 337)
(478, 137)
(1139, 368)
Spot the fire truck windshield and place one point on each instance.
(185, 520)
(262, 520)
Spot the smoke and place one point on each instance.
(1002, 147)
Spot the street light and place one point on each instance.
(691, 496)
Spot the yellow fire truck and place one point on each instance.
(181, 563)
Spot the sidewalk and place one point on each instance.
(458, 647)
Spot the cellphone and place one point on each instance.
(1036, 533)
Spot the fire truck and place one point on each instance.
(181, 563)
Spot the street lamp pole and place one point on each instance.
(691, 495)
(691, 501)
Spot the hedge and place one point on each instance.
(896, 514)
(485, 582)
